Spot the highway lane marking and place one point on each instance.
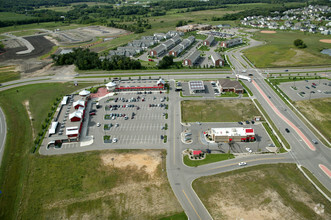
(325, 170)
(228, 165)
(299, 132)
(174, 137)
(191, 204)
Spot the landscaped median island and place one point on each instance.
(278, 191)
(196, 159)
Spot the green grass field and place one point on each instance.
(280, 51)
(261, 192)
(318, 112)
(7, 73)
(218, 110)
(210, 158)
(10, 16)
(16, 163)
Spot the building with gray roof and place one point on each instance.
(192, 59)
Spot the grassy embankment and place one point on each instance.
(39, 187)
(218, 110)
(318, 112)
(210, 158)
(279, 191)
(8, 73)
(280, 51)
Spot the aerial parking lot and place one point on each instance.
(131, 120)
(307, 89)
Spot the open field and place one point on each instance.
(17, 158)
(318, 111)
(280, 51)
(218, 110)
(210, 158)
(92, 185)
(262, 192)
(8, 73)
(85, 185)
(10, 16)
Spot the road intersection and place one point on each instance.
(314, 158)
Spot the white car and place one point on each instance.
(249, 150)
(114, 140)
(98, 124)
(242, 164)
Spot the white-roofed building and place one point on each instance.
(160, 82)
(196, 87)
(72, 131)
(111, 86)
(54, 125)
(79, 103)
(84, 92)
(232, 134)
(76, 116)
(65, 100)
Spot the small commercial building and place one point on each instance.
(232, 134)
(160, 85)
(192, 59)
(227, 85)
(196, 87)
(217, 59)
(231, 43)
(111, 86)
(209, 41)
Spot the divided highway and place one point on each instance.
(180, 176)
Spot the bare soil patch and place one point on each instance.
(132, 197)
(328, 41)
(26, 104)
(264, 192)
(268, 32)
(147, 161)
(41, 46)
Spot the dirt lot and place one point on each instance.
(268, 32)
(139, 190)
(262, 192)
(328, 41)
(85, 34)
(41, 45)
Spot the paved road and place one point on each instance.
(302, 150)
(3, 132)
(181, 177)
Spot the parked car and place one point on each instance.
(314, 141)
(93, 110)
(98, 124)
(249, 150)
(114, 140)
(242, 164)
(92, 113)
(239, 122)
(287, 130)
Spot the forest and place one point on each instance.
(84, 59)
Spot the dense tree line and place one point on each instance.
(253, 12)
(84, 59)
